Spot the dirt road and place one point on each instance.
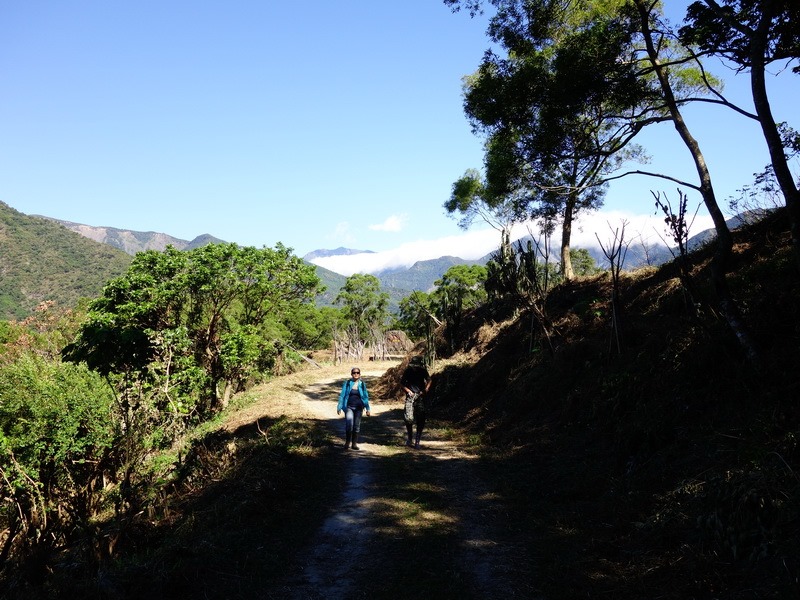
(409, 523)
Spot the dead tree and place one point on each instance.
(615, 251)
(678, 229)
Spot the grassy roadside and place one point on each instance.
(235, 531)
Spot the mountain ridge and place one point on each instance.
(340, 251)
(42, 261)
(130, 241)
(77, 273)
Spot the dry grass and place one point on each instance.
(665, 471)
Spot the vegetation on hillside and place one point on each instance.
(662, 466)
(565, 93)
(198, 325)
(640, 428)
(665, 465)
(42, 261)
(161, 350)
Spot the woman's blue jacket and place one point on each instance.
(362, 390)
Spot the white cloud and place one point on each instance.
(649, 227)
(393, 223)
(470, 246)
(476, 244)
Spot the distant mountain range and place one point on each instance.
(42, 258)
(132, 242)
(311, 256)
(400, 282)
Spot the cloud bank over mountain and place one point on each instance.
(475, 244)
(470, 246)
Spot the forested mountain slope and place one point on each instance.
(40, 260)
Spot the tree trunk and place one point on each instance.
(777, 155)
(724, 243)
(226, 394)
(566, 236)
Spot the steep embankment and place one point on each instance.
(666, 466)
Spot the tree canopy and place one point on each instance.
(213, 312)
(365, 314)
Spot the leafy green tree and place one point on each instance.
(5, 332)
(58, 442)
(365, 311)
(471, 198)
(232, 291)
(311, 327)
(415, 314)
(623, 60)
(459, 289)
(186, 322)
(584, 263)
(552, 122)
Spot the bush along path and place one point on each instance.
(408, 523)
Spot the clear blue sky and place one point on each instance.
(317, 124)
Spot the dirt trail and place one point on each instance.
(402, 509)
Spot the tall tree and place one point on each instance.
(460, 288)
(753, 34)
(204, 317)
(623, 56)
(656, 37)
(556, 125)
(416, 313)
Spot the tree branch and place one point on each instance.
(658, 175)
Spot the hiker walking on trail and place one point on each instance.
(353, 400)
(416, 382)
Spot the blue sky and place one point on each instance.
(317, 124)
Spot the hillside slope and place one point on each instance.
(669, 468)
(422, 274)
(662, 466)
(40, 260)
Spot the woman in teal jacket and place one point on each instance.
(353, 400)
